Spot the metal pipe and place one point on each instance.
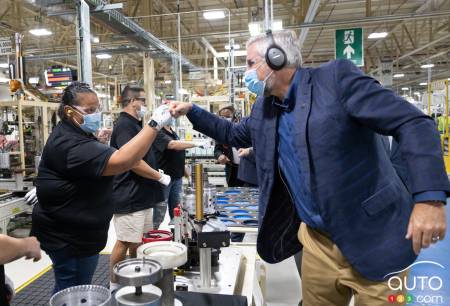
(167, 288)
(198, 192)
(205, 267)
(267, 20)
(327, 24)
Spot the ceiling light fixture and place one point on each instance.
(424, 66)
(103, 56)
(405, 88)
(377, 35)
(40, 32)
(399, 75)
(33, 80)
(423, 84)
(167, 81)
(212, 15)
(235, 47)
(254, 28)
(4, 65)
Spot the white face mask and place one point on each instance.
(229, 119)
(141, 113)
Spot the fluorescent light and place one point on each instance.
(405, 88)
(254, 28)
(211, 15)
(277, 25)
(98, 86)
(103, 56)
(4, 65)
(423, 84)
(427, 66)
(417, 93)
(399, 75)
(40, 32)
(377, 35)
(167, 81)
(219, 82)
(33, 80)
(235, 47)
(95, 39)
(4, 80)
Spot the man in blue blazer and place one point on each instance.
(321, 164)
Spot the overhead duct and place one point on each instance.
(120, 23)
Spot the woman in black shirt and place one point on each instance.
(74, 184)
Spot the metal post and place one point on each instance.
(198, 192)
(179, 52)
(84, 43)
(267, 21)
(175, 73)
(231, 72)
(205, 267)
(429, 91)
(149, 81)
(167, 287)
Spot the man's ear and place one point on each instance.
(68, 111)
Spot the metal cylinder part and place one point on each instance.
(166, 284)
(205, 267)
(198, 192)
(148, 295)
(86, 295)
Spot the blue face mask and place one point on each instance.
(91, 122)
(254, 84)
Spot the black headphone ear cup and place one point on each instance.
(275, 57)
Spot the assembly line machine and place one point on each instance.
(196, 259)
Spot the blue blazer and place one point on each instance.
(362, 201)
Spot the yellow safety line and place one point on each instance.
(33, 279)
(42, 273)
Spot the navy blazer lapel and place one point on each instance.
(301, 112)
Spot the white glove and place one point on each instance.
(162, 116)
(204, 144)
(31, 197)
(165, 179)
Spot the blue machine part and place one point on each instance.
(227, 221)
(232, 191)
(252, 207)
(240, 211)
(243, 217)
(228, 207)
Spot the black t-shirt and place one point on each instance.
(75, 206)
(171, 161)
(131, 191)
(3, 290)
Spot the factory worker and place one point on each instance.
(331, 188)
(74, 184)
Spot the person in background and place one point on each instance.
(170, 155)
(75, 181)
(13, 249)
(247, 167)
(331, 188)
(227, 155)
(135, 192)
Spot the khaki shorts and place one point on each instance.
(130, 227)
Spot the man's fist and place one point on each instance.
(32, 248)
(178, 109)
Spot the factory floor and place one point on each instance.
(282, 280)
(283, 283)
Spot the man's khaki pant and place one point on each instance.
(328, 279)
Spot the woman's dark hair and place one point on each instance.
(69, 96)
(129, 93)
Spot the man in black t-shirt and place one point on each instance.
(170, 157)
(134, 193)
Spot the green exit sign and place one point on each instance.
(349, 45)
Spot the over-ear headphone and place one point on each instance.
(275, 56)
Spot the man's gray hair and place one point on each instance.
(286, 39)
